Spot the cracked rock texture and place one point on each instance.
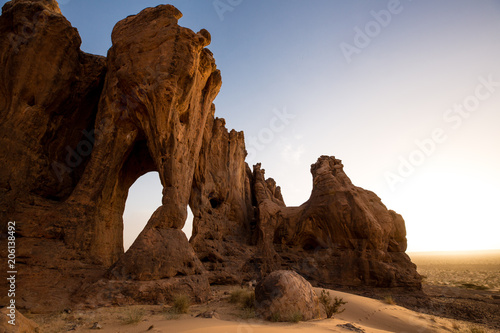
(77, 130)
(283, 294)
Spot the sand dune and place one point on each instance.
(367, 315)
(377, 316)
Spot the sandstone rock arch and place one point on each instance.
(77, 130)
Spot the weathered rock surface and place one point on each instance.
(22, 324)
(112, 292)
(283, 294)
(77, 130)
(221, 201)
(156, 98)
(342, 236)
(49, 92)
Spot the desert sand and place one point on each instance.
(361, 315)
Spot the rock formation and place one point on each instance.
(49, 94)
(342, 236)
(283, 294)
(222, 205)
(144, 115)
(77, 130)
(22, 324)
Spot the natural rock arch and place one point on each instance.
(78, 130)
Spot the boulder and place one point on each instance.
(284, 294)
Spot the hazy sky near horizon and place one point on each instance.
(406, 93)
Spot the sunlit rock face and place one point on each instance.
(342, 236)
(77, 130)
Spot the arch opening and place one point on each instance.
(188, 226)
(144, 197)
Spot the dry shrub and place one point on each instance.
(181, 304)
(133, 316)
(389, 300)
(331, 306)
(246, 298)
(236, 295)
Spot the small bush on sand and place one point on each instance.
(181, 304)
(389, 300)
(133, 316)
(236, 295)
(246, 298)
(331, 306)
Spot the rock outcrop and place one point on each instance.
(16, 323)
(77, 130)
(284, 294)
(141, 109)
(342, 236)
(49, 94)
(221, 201)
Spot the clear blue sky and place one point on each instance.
(364, 80)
